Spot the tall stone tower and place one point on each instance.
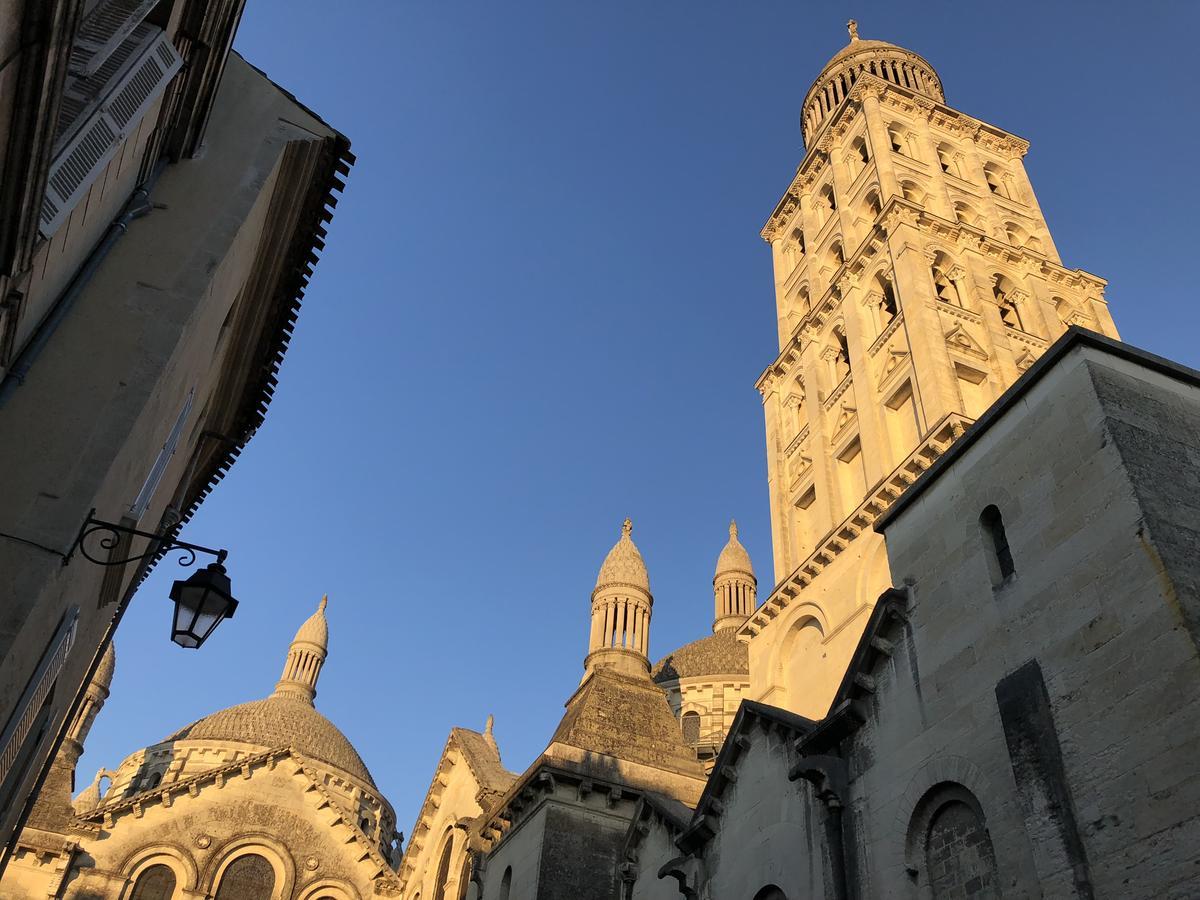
(916, 279)
(621, 608)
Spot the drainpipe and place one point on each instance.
(137, 206)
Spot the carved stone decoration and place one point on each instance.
(958, 339)
(203, 841)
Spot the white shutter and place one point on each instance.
(98, 112)
(103, 29)
(146, 494)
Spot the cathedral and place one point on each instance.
(974, 675)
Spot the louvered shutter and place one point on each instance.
(146, 494)
(103, 29)
(98, 112)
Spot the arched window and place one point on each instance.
(798, 237)
(1017, 236)
(887, 303)
(443, 869)
(946, 160)
(828, 202)
(155, 883)
(948, 845)
(995, 179)
(836, 255)
(1005, 294)
(841, 356)
(505, 884)
(464, 877)
(912, 193)
(897, 136)
(691, 727)
(770, 892)
(155, 780)
(1000, 561)
(966, 215)
(873, 206)
(803, 300)
(945, 288)
(249, 877)
(859, 149)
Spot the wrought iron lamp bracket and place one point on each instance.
(107, 537)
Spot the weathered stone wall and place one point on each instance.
(1063, 699)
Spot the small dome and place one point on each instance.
(315, 629)
(734, 557)
(108, 665)
(279, 721)
(878, 58)
(624, 564)
(718, 654)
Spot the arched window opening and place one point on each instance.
(1000, 561)
(770, 892)
(912, 193)
(965, 215)
(945, 288)
(836, 254)
(505, 884)
(804, 301)
(798, 238)
(995, 180)
(155, 883)
(874, 206)
(1005, 295)
(828, 201)
(887, 303)
(249, 877)
(945, 155)
(690, 723)
(443, 869)
(154, 781)
(841, 356)
(896, 137)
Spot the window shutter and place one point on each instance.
(160, 465)
(103, 29)
(98, 112)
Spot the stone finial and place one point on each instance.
(733, 529)
(491, 724)
(489, 735)
(627, 527)
(324, 603)
(852, 27)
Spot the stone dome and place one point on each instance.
(624, 564)
(279, 721)
(878, 58)
(315, 629)
(718, 654)
(734, 557)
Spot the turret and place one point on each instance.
(305, 657)
(621, 605)
(735, 588)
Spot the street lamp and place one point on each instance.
(202, 601)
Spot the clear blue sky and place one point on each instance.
(544, 305)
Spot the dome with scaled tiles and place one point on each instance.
(279, 721)
(718, 654)
(624, 563)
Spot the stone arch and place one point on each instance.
(332, 888)
(803, 635)
(173, 856)
(943, 769)
(258, 843)
(874, 575)
(948, 849)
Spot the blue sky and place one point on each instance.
(543, 307)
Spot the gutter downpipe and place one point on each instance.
(137, 206)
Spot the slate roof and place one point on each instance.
(718, 654)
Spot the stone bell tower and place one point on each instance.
(915, 280)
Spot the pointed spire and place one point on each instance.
(305, 657)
